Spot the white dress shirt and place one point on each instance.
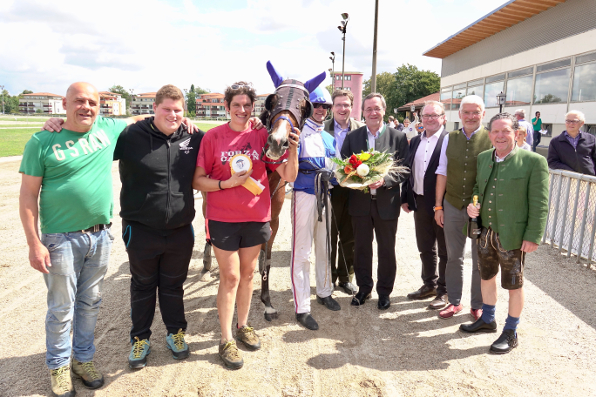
(372, 138)
(422, 157)
(442, 168)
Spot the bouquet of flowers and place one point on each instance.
(363, 169)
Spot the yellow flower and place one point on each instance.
(364, 156)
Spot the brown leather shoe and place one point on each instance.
(422, 293)
(438, 303)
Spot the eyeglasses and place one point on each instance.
(236, 86)
(468, 114)
(370, 110)
(321, 105)
(431, 116)
(572, 121)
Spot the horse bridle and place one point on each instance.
(302, 120)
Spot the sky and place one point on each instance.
(143, 45)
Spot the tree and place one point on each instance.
(406, 85)
(191, 102)
(199, 91)
(26, 92)
(118, 89)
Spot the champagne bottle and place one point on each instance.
(474, 227)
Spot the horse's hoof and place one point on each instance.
(271, 316)
(206, 276)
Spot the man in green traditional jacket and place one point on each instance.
(512, 187)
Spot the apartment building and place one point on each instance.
(111, 104)
(41, 102)
(142, 103)
(540, 54)
(211, 105)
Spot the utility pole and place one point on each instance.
(342, 28)
(2, 89)
(373, 79)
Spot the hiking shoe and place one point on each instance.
(177, 345)
(248, 337)
(139, 352)
(230, 355)
(62, 382)
(88, 373)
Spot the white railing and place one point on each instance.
(571, 221)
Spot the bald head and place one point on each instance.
(82, 106)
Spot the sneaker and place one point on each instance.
(177, 345)
(62, 382)
(476, 313)
(230, 355)
(248, 337)
(88, 373)
(450, 310)
(139, 352)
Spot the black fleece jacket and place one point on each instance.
(156, 171)
(563, 156)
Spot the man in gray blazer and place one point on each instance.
(341, 223)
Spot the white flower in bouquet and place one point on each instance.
(362, 170)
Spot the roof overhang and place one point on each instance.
(507, 15)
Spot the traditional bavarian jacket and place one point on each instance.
(316, 148)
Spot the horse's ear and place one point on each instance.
(313, 83)
(275, 76)
(271, 102)
(307, 109)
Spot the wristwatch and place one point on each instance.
(437, 207)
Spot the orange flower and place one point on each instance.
(348, 169)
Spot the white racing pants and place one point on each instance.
(305, 228)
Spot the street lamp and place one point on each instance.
(501, 101)
(132, 97)
(332, 70)
(342, 28)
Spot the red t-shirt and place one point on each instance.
(236, 204)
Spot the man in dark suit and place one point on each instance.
(377, 209)
(418, 195)
(341, 225)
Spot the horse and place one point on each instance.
(285, 109)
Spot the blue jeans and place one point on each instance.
(79, 264)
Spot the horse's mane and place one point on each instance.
(264, 116)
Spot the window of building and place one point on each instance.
(457, 96)
(553, 65)
(519, 91)
(460, 86)
(552, 86)
(585, 58)
(475, 82)
(520, 72)
(446, 99)
(491, 91)
(498, 77)
(479, 90)
(446, 89)
(584, 83)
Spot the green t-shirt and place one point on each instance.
(76, 190)
(538, 125)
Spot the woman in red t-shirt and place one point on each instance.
(238, 218)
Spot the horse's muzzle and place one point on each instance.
(275, 150)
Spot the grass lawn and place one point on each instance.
(13, 140)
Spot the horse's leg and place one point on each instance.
(265, 256)
(207, 251)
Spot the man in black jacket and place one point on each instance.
(573, 150)
(157, 162)
(378, 209)
(418, 195)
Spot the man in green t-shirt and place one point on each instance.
(537, 124)
(69, 174)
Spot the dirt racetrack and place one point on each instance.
(404, 351)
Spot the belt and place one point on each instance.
(94, 229)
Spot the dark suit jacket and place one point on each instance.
(430, 178)
(388, 196)
(562, 155)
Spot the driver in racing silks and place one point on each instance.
(311, 212)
